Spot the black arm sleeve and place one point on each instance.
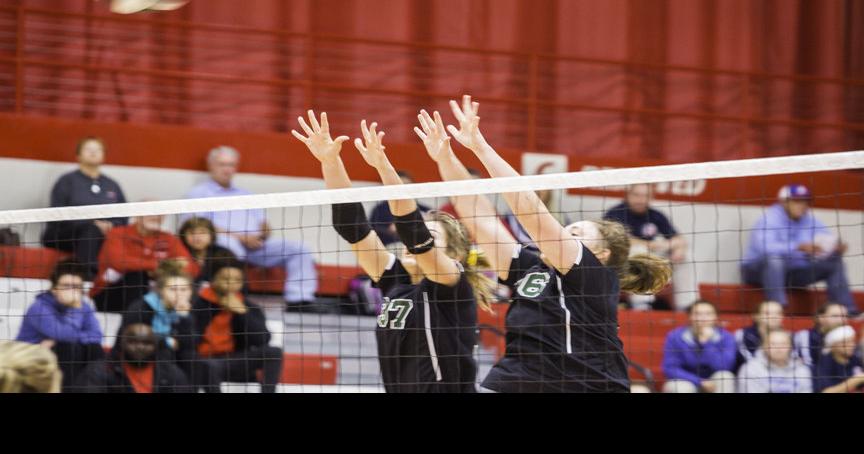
(413, 232)
(350, 221)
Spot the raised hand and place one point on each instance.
(371, 147)
(433, 135)
(317, 138)
(468, 133)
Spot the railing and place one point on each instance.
(144, 69)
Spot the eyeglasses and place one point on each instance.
(69, 287)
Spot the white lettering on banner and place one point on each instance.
(686, 188)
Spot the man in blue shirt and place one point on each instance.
(247, 234)
(790, 247)
(651, 232)
(85, 186)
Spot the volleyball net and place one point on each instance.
(316, 312)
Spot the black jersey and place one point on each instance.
(562, 330)
(426, 334)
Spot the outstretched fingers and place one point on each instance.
(359, 145)
(300, 137)
(457, 112)
(325, 125)
(313, 121)
(305, 127)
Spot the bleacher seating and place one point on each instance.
(738, 298)
(37, 263)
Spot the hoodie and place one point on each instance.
(684, 358)
(48, 319)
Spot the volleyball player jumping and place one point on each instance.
(562, 325)
(427, 328)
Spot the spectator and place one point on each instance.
(129, 259)
(199, 236)
(839, 370)
(381, 219)
(85, 186)
(651, 231)
(790, 247)
(28, 368)
(167, 311)
(62, 320)
(768, 317)
(247, 233)
(232, 336)
(808, 343)
(774, 369)
(136, 367)
(701, 356)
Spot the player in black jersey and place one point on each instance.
(427, 328)
(562, 325)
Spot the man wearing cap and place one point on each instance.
(790, 247)
(840, 369)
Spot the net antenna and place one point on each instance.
(139, 6)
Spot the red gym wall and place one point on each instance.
(655, 80)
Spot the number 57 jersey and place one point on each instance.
(426, 333)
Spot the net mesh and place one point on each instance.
(301, 315)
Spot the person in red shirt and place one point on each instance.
(128, 261)
(232, 335)
(136, 367)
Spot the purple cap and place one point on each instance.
(794, 191)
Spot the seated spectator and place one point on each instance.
(62, 320)
(774, 369)
(136, 367)
(789, 247)
(167, 311)
(128, 262)
(232, 334)
(28, 368)
(85, 186)
(381, 219)
(839, 370)
(699, 357)
(247, 234)
(199, 236)
(808, 343)
(768, 317)
(651, 232)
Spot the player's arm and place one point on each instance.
(556, 243)
(349, 219)
(410, 225)
(476, 212)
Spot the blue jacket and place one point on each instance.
(775, 234)
(48, 319)
(685, 359)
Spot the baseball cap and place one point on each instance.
(794, 191)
